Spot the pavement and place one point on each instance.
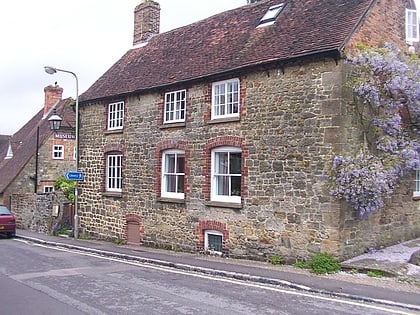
(400, 287)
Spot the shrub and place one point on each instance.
(324, 263)
(276, 260)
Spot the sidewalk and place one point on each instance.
(353, 286)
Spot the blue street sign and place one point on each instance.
(76, 176)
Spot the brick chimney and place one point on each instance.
(52, 95)
(146, 21)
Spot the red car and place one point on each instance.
(7, 222)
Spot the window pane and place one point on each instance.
(214, 242)
(222, 184)
(171, 183)
(170, 163)
(180, 164)
(180, 184)
(235, 163)
(235, 186)
(222, 162)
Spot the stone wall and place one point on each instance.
(35, 212)
(293, 120)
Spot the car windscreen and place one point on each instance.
(4, 210)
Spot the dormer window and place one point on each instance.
(9, 153)
(271, 15)
(411, 26)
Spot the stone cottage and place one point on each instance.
(35, 156)
(219, 136)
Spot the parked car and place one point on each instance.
(7, 222)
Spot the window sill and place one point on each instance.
(224, 204)
(172, 125)
(112, 132)
(416, 197)
(171, 200)
(113, 194)
(223, 120)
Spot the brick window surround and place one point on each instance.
(167, 145)
(214, 226)
(231, 141)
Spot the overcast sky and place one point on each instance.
(83, 36)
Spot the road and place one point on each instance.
(36, 279)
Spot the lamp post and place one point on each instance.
(52, 70)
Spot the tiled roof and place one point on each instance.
(24, 141)
(230, 41)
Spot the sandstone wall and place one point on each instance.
(293, 120)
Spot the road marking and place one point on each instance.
(232, 281)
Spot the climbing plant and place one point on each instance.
(386, 85)
(66, 186)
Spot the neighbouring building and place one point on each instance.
(35, 156)
(219, 136)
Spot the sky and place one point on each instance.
(83, 36)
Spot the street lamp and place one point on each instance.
(52, 70)
(55, 121)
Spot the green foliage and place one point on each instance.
(66, 186)
(375, 273)
(119, 241)
(324, 263)
(301, 264)
(276, 260)
(84, 236)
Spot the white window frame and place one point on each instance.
(9, 153)
(178, 174)
(58, 152)
(206, 241)
(115, 116)
(416, 191)
(114, 172)
(175, 106)
(270, 16)
(48, 189)
(216, 176)
(223, 106)
(411, 26)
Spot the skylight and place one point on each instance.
(271, 15)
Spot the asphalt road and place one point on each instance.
(36, 279)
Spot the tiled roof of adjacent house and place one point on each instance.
(231, 41)
(23, 142)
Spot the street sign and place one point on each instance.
(75, 176)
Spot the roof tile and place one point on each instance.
(229, 41)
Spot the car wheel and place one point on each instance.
(11, 235)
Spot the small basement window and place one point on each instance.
(271, 15)
(213, 241)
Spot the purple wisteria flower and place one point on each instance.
(387, 83)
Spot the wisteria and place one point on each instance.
(387, 85)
